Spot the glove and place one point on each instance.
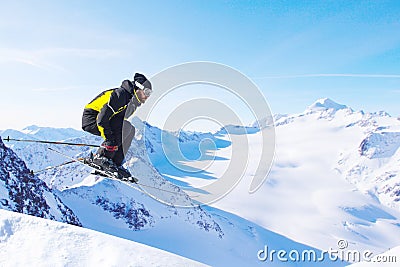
(110, 145)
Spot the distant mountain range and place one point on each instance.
(335, 177)
(115, 208)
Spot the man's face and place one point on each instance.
(142, 97)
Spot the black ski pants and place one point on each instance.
(124, 133)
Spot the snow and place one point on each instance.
(38, 158)
(325, 103)
(390, 258)
(25, 193)
(31, 241)
(204, 234)
(305, 186)
(312, 195)
(210, 236)
(335, 176)
(50, 134)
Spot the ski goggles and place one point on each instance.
(147, 91)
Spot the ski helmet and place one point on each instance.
(140, 82)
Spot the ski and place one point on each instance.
(98, 169)
(134, 185)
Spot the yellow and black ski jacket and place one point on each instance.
(111, 105)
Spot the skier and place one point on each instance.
(106, 116)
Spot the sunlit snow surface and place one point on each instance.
(30, 241)
(335, 177)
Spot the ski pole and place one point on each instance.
(8, 139)
(129, 183)
(54, 167)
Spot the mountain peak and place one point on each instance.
(32, 129)
(50, 133)
(326, 103)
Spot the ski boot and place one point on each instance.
(124, 172)
(126, 175)
(104, 164)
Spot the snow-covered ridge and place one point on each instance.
(50, 133)
(37, 156)
(324, 104)
(22, 192)
(30, 241)
(115, 208)
(325, 183)
(380, 144)
(320, 179)
(336, 176)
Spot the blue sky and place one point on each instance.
(55, 56)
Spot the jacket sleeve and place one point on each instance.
(103, 123)
(114, 106)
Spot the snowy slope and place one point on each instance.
(38, 157)
(374, 166)
(335, 177)
(330, 180)
(309, 181)
(199, 233)
(30, 241)
(204, 234)
(390, 258)
(22, 192)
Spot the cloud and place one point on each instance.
(46, 58)
(28, 62)
(57, 89)
(35, 58)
